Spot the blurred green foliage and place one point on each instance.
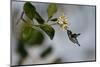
(48, 30)
(46, 52)
(31, 12)
(21, 49)
(30, 35)
(39, 18)
(52, 9)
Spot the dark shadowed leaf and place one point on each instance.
(48, 30)
(52, 9)
(21, 49)
(54, 19)
(29, 10)
(32, 36)
(46, 52)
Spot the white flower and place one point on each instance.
(63, 21)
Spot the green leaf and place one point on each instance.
(46, 52)
(48, 30)
(29, 10)
(32, 36)
(54, 19)
(39, 18)
(52, 9)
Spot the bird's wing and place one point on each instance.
(74, 40)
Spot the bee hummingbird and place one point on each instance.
(73, 37)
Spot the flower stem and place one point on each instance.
(53, 24)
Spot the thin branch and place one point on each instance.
(23, 20)
(21, 17)
(22, 14)
(53, 23)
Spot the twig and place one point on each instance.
(23, 20)
(53, 23)
(21, 17)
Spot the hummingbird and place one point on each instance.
(73, 37)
